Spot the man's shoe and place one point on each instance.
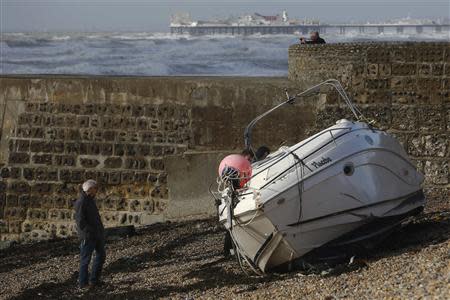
(83, 287)
(96, 284)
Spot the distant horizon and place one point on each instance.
(168, 26)
(154, 16)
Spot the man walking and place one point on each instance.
(91, 233)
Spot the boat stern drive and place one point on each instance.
(347, 185)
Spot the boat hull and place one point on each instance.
(344, 183)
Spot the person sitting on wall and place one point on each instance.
(261, 153)
(314, 39)
(91, 233)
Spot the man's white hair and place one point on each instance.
(89, 184)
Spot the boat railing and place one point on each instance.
(291, 99)
(270, 163)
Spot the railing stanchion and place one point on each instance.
(332, 136)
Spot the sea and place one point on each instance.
(163, 54)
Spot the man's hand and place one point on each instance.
(302, 40)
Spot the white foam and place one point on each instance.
(61, 38)
(143, 53)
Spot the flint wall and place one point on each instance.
(153, 144)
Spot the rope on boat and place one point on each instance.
(249, 222)
(224, 184)
(240, 257)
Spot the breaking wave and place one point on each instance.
(142, 53)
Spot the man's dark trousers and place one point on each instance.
(87, 248)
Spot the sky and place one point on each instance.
(149, 15)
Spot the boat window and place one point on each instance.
(349, 169)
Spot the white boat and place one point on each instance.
(343, 186)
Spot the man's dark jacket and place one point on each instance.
(87, 217)
(318, 41)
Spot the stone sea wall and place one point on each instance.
(405, 87)
(154, 143)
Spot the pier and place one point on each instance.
(306, 28)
